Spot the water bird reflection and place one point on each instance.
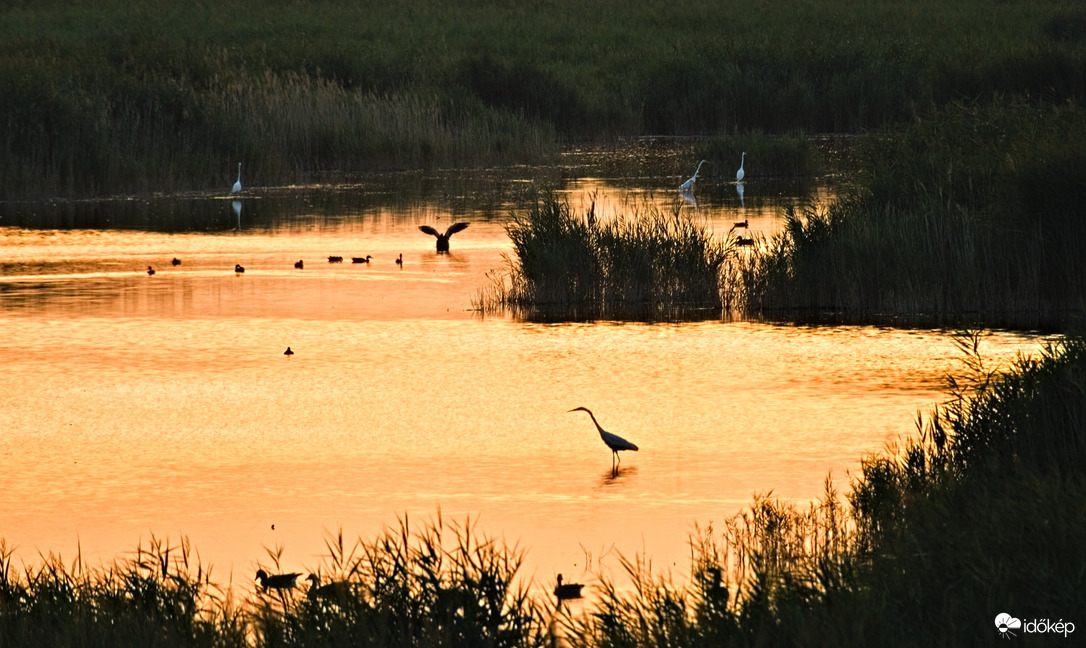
(615, 476)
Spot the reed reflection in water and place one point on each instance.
(134, 405)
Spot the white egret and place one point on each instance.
(443, 239)
(237, 185)
(740, 173)
(613, 441)
(567, 591)
(276, 582)
(689, 184)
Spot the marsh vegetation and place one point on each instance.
(102, 99)
(653, 264)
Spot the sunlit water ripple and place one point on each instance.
(134, 405)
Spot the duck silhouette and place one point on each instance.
(567, 591)
(276, 581)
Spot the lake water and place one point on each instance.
(135, 405)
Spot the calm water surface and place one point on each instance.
(135, 405)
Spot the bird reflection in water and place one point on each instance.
(616, 475)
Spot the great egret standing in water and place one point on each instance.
(237, 185)
(443, 239)
(689, 184)
(740, 173)
(613, 441)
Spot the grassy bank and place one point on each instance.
(104, 98)
(971, 214)
(983, 512)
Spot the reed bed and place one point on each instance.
(652, 264)
(972, 215)
(101, 99)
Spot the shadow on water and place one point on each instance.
(614, 477)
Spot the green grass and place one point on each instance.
(102, 97)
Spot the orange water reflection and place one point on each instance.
(135, 405)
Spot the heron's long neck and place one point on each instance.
(595, 421)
